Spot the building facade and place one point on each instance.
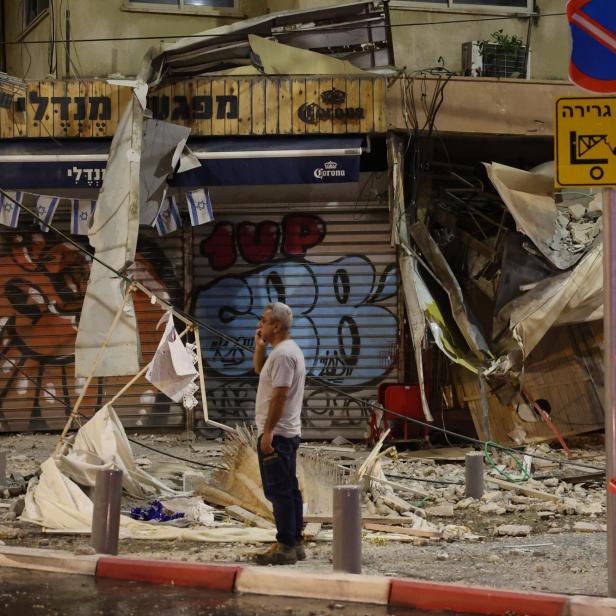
(298, 172)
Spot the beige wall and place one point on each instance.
(551, 43)
(421, 46)
(25, 59)
(89, 20)
(415, 47)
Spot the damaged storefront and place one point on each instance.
(298, 217)
(502, 278)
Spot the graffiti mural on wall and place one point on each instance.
(42, 285)
(348, 337)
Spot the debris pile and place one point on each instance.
(506, 282)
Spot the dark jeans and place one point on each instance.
(280, 486)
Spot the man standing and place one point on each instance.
(278, 417)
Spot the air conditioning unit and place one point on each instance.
(494, 62)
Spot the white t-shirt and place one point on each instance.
(284, 367)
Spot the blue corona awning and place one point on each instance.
(224, 162)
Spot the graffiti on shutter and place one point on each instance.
(42, 284)
(340, 279)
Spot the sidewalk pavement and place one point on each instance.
(318, 585)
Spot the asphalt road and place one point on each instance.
(33, 593)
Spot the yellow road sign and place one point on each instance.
(585, 141)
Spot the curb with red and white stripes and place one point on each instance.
(316, 585)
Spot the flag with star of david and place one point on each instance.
(199, 206)
(45, 209)
(168, 219)
(9, 210)
(82, 211)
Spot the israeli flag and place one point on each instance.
(199, 207)
(9, 210)
(82, 211)
(168, 219)
(45, 209)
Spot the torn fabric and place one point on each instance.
(101, 443)
(113, 234)
(172, 369)
(441, 331)
(163, 144)
(57, 503)
(571, 297)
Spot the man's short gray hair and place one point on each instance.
(281, 313)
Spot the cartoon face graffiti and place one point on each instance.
(41, 293)
(341, 328)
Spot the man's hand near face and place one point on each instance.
(258, 355)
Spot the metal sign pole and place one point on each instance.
(609, 329)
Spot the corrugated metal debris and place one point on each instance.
(510, 285)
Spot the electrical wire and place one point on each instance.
(83, 416)
(269, 32)
(310, 379)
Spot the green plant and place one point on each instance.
(508, 43)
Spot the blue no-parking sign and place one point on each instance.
(593, 33)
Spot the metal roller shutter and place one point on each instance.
(333, 264)
(42, 282)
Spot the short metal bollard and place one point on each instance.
(106, 514)
(3, 480)
(473, 474)
(347, 529)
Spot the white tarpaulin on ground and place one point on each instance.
(59, 504)
(102, 443)
(56, 501)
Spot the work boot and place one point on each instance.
(300, 550)
(277, 554)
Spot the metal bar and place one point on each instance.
(3, 481)
(201, 372)
(347, 525)
(473, 474)
(106, 512)
(609, 329)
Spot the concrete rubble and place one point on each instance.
(409, 537)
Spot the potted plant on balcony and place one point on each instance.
(503, 55)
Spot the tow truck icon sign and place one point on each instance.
(585, 141)
(581, 145)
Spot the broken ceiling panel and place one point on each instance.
(464, 320)
(278, 59)
(356, 32)
(563, 376)
(571, 297)
(556, 230)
